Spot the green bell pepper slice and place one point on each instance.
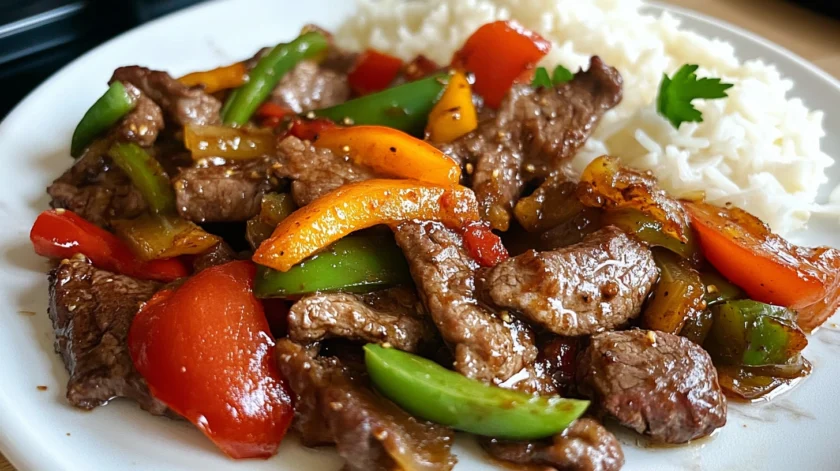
(718, 288)
(105, 112)
(650, 231)
(146, 174)
(274, 207)
(353, 264)
(429, 391)
(405, 107)
(244, 101)
(750, 333)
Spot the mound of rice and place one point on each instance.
(757, 149)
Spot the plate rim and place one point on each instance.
(21, 446)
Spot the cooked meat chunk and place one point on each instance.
(182, 104)
(315, 171)
(220, 254)
(394, 316)
(486, 346)
(223, 193)
(584, 446)
(91, 311)
(596, 285)
(143, 123)
(336, 405)
(655, 383)
(309, 86)
(96, 189)
(533, 135)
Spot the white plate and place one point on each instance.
(40, 431)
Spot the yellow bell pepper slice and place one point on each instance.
(454, 114)
(221, 78)
(358, 206)
(227, 142)
(391, 152)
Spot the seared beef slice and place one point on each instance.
(534, 134)
(584, 446)
(393, 316)
(589, 287)
(92, 310)
(335, 404)
(486, 346)
(658, 384)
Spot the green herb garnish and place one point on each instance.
(677, 92)
(559, 76)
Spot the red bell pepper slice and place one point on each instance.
(483, 245)
(309, 129)
(272, 114)
(373, 71)
(206, 351)
(499, 54)
(61, 233)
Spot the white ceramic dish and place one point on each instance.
(40, 431)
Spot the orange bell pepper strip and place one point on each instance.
(498, 53)
(358, 206)
(767, 267)
(221, 78)
(229, 143)
(391, 152)
(454, 114)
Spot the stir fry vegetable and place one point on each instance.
(405, 107)
(427, 390)
(497, 54)
(697, 327)
(227, 142)
(454, 114)
(358, 206)
(353, 264)
(60, 234)
(152, 237)
(550, 205)
(751, 333)
(242, 103)
(274, 207)
(373, 71)
(205, 350)
(676, 94)
(105, 112)
(220, 78)
(560, 75)
(484, 246)
(392, 153)
(652, 232)
(718, 288)
(146, 174)
(752, 382)
(678, 295)
(768, 268)
(606, 184)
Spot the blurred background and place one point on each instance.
(37, 37)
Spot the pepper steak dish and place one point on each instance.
(377, 254)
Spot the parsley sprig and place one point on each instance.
(560, 75)
(677, 92)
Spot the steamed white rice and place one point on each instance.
(757, 149)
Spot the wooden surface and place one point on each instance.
(812, 36)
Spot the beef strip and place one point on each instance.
(91, 311)
(335, 404)
(224, 193)
(96, 189)
(655, 383)
(596, 285)
(184, 105)
(310, 86)
(394, 316)
(315, 171)
(143, 123)
(584, 446)
(533, 135)
(486, 346)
